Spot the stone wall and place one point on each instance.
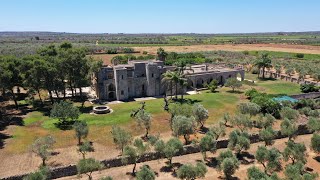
(311, 95)
(189, 149)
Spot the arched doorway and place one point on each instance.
(220, 80)
(111, 95)
(200, 83)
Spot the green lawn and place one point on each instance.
(280, 87)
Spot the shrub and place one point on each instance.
(306, 88)
(300, 55)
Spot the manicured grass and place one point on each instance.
(280, 87)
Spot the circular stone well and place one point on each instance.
(101, 109)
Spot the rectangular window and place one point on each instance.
(152, 75)
(122, 92)
(121, 76)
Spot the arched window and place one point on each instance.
(111, 87)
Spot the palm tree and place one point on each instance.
(161, 54)
(290, 71)
(183, 82)
(176, 79)
(263, 63)
(278, 69)
(168, 80)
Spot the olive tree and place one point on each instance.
(296, 152)
(242, 122)
(314, 124)
(87, 166)
(233, 83)
(207, 143)
(226, 119)
(132, 153)
(288, 128)
(218, 130)
(296, 171)
(238, 141)
(228, 163)
(249, 108)
(43, 173)
(200, 114)
(143, 118)
(267, 135)
(289, 113)
(84, 148)
(120, 137)
(42, 146)
(269, 158)
(265, 121)
(81, 130)
(183, 126)
(315, 143)
(190, 172)
(169, 149)
(254, 173)
(145, 173)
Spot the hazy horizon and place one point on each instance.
(160, 17)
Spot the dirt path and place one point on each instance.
(238, 47)
(121, 173)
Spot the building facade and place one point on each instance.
(144, 79)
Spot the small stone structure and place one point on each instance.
(101, 109)
(143, 78)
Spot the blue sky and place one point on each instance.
(160, 16)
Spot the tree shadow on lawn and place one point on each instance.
(186, 101)
(85, 109)
(267, 79)
(234, 92)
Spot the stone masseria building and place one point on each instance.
(144, 78)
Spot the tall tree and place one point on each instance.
(263, 63)
(10, 76)
(162, 54)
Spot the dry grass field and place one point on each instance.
(226, 47)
